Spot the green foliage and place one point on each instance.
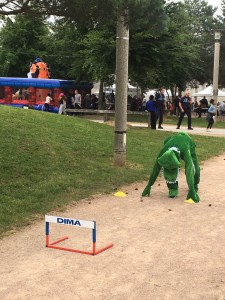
(144, 59)
(183, 49)
(22, 39)
(63, 47)
(98, 54)
(143, 13)
(170, 43)
(93, 48)
(202, 23)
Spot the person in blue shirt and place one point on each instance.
(211, 114)
(185, 107)
(151, 107)
(161, 105)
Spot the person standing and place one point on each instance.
(94, 101)
(204, 102)
(211, 114)
(161, 105)
(112, 97)
(151, 107)
(62, 104)
(20, 94)
(48, 99)
(69, 102)
(185, 107)
(87, 102)
(176, 107)
(77, 100)
(222, 108)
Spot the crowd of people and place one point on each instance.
(156, 105)
(180, 107)
(72, 101)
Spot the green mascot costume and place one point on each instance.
(176, 148)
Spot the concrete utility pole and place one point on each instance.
(122, 52)
(216, 66)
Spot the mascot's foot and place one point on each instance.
(190, 201)
(146, 192)
(193, 196)
(172, 193)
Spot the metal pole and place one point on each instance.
(122, 50)
(216, 68)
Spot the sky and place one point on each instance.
(214, 3)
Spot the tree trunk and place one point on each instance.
(100, 96)
(216, 73)
(122, 50)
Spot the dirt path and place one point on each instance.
(163, 248)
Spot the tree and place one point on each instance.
(203, 22)
(125, 13)
(221, 25)
(178, 49)
(21, 39)
(63, 47)
(89, 44)
(186, 47)
(98, 54)
(123, 16)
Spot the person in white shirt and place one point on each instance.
(48, 100)
(222, 108)
(77, 101)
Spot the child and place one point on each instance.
(48, 99)
(62, 104)
(151, 107)
(211, 114)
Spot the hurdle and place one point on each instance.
(75, 223)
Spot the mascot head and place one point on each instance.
(170, 162)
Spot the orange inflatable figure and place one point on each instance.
(39, 69)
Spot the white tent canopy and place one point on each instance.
(152, 92)
(130, 87)
(208, 92)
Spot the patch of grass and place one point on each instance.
(196, 122)
(172, 120)
(48, 161)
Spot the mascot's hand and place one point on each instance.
(146, 191)
(194, 196)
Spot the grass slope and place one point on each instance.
(49, 160)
